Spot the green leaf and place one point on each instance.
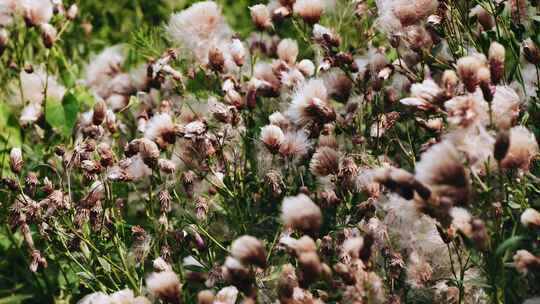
(54, 114)
(15, 298)
(62, 116)
(106, 266)
(71, 110)
(508, 244)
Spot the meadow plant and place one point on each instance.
(291, 151)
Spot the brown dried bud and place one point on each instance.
(216, 61)
(100, 111)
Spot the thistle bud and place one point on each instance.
(502, 143)
(496, 57)
(15, 160)
(307, 67)
(48, 34)
(72, 12)
(260, 16)
(100, 111)
(530, 51)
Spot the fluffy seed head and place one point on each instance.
(260, 16)
(530, 217)
(310, 104)
(525, 261)
(307, 67)
(164, 285)
(36, 12)
(250, 250)
(440, 168)
(272, 136)
(295, 143)
(325, 161)
(199, 28)
(467, 68)
(309, 10)
(523, 148)
(288, 50)
(299, 212)
(496, 57)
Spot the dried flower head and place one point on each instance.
(325, 161)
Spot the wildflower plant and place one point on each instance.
(291, 151)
